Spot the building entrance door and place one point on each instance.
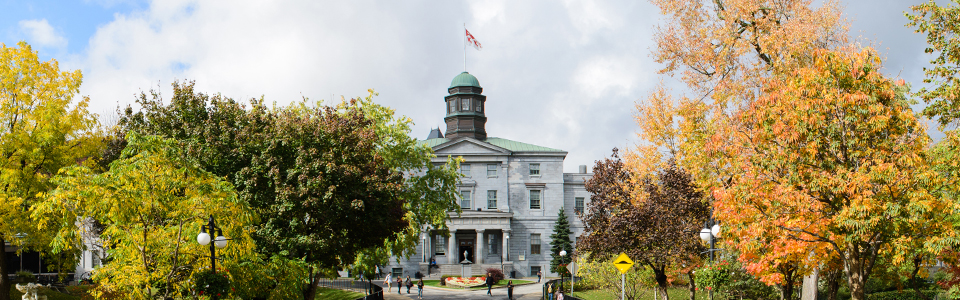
(466, 248)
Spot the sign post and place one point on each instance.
(570, 268)
(623, 263)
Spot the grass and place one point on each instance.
(436, 283)
(675, 293)
(334, 294)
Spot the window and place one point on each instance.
(465, 170)
(492, 199)
(491, 170)
(534, 199)
(453, 106)
(578, 205)
(465, 104)
(439, 244)
(465, 199)
(479, 107)
(534, 270)
(493, 244)
(397, 272)
(534, 169)
(534, 243)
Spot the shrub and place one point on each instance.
(214, 285)
(497, 274)
(902, 295)
(26, 276)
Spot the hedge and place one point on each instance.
(902, 295)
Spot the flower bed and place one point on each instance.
(466, 282)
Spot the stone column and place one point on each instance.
(478, 252)
(506, 249)
(452, 248)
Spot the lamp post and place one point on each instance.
(710, 233)
(206, 231)
(563, 256)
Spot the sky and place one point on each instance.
(560, 74)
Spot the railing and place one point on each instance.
(372, 291)
(556, 285)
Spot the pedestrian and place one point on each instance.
(510, 290)
(550, 291)
(399, 284)
(420, 289)
(559, 295)
(539, 276)
(387, 281)
(490, 283)
(408, 283)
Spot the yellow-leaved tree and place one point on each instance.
(151, 203)
(41, 131)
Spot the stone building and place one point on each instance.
(510, 195)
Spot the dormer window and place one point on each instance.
(453, 106)
(479, 107)
(465, 104)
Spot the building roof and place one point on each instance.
(464, 79)
(435, 134)
(499, 142)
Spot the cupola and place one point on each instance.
(465, 108)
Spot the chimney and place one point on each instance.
(583, 169)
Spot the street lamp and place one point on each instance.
(710, 233)
(563, 256)
(206, 231)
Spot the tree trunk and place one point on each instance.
(856, 277)
(4, 280)
(692, 286)
(914, 281)
(833, 283)
(311, 289)
(786, 289)
(661, 277)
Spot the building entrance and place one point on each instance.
(466, 246)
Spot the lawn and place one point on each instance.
(436, 283)
(675, 293)
(335, 294)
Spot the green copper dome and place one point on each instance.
(464, 79)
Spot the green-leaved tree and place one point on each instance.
(560, 241)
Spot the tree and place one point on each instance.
(833, 164)
(658, 232)
(560, 241)
(314, 173)
(940, 24)
(151, 202)
(42, 131)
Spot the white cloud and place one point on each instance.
(40, 33)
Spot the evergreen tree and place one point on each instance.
(560, 240)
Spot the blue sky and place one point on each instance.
(560, 74)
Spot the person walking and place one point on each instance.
(510, 290)
(490, 282)
(387, 281)
(550, 291)
(420, 289)
(399, 285)
(539, 276)
(408, 283)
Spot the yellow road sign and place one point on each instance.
(623, 263)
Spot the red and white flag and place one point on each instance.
(472, 41)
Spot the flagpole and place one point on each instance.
(464, 47)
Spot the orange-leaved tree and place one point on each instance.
(831, 164)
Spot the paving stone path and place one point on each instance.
(522, 292)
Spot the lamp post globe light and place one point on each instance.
(710, 233)
(206, 231)
(563, 264)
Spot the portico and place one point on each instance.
(480, 237)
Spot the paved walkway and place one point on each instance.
(522, 292)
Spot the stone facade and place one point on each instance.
(511, 194)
